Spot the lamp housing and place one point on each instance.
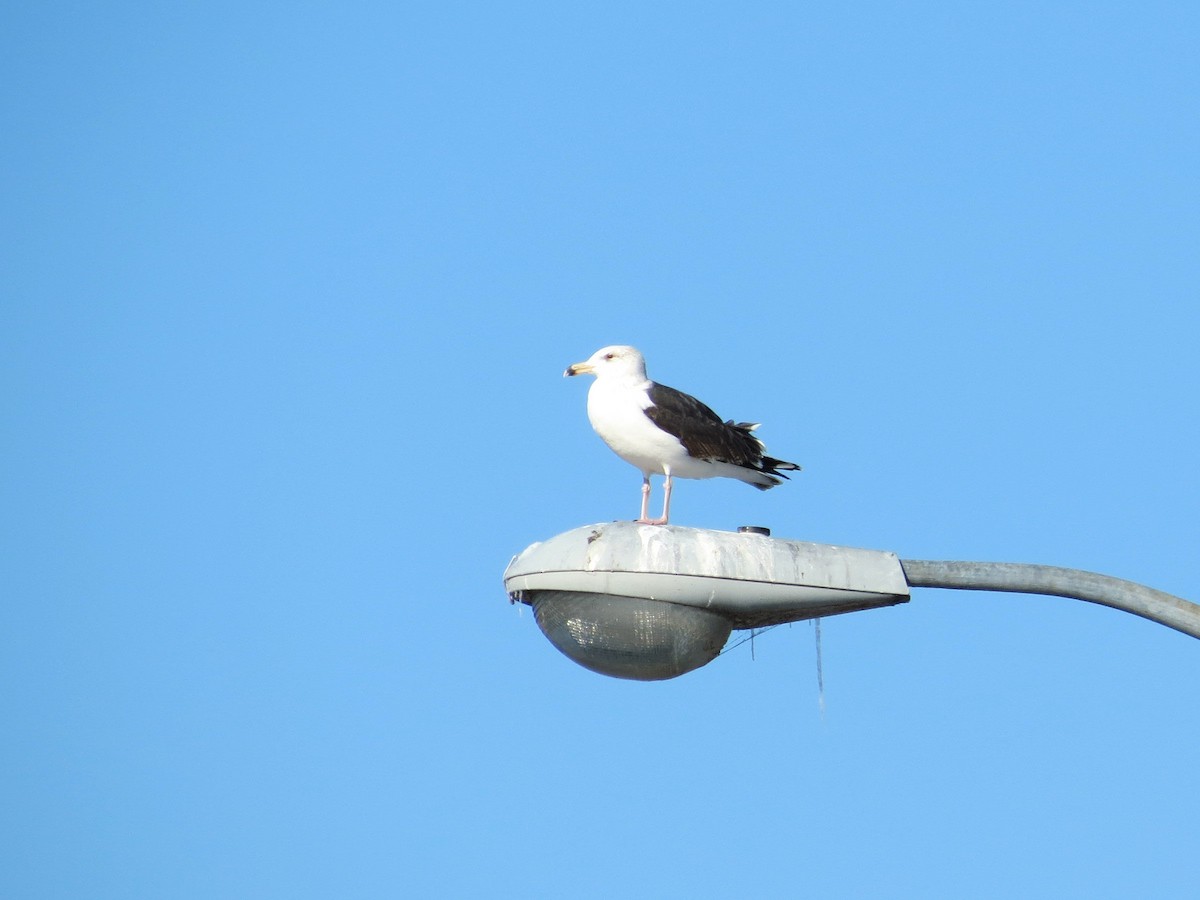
(649, 602)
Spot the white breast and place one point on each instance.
(617, 414)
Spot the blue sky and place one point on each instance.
(288, 292)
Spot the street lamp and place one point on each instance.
(650, 602)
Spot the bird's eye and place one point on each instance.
(609, 355)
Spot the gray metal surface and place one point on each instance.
(753, 580)
(1025, 578)
(654, 601)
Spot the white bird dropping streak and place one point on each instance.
(820, 672)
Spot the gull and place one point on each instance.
(662, 431)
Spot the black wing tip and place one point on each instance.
(774, 471)
(773, 466)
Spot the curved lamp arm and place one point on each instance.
(1026, 578)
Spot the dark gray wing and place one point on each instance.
(701, 430)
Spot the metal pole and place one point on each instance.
(1026, 578)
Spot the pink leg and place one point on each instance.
(666, 503)
(645, 499)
